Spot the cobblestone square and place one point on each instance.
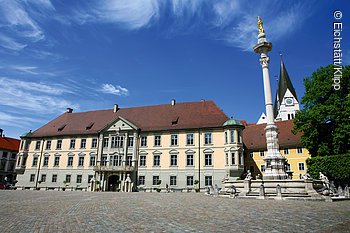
(76, 211)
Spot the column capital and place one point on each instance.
(264, 61)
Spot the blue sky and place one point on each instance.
(88, 55)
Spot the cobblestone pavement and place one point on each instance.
(57, 211)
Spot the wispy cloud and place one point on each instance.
(34, 97)
(26, 69)
(114, 90)
(18, 121)
(10, 43)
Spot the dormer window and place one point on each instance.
(89, 126)
(61, 128)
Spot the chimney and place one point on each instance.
(69, 110)
(116, 108)
(1, 131)
(173, 102)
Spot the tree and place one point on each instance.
(325, 118)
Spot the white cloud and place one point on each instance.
(114, 90)
(26, 69)
(15, 18)
(134, 14)
(10, 43)
(17, 121)
(34, 97)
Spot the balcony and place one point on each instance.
(114, 168)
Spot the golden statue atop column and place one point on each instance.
(260, 25)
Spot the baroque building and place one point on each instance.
(173, 145)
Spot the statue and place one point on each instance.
(325, 181)
(248, 176)
(260, 26)
(306, 176)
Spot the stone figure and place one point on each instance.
(306, 176)
(324, 180)
(249, 175)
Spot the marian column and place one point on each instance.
(274, 161)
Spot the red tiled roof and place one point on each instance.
(254, 135)
(190, 115)
(10, 144)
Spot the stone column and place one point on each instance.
(274, 160)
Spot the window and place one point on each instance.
(54, 178)
(142, 160)
(207, 138)
(83, 143)
(21, 146)
(208, 180)
(104, 160)
(43, 178)
(26, 146)
(37, 145)
(262, 168)
(141, 180)
(35, 161)
(19, 161)
(233, 158)
(59, 144)
(226, 140)
(232, 136)
(72, 144)
(286, 151)
(301, 166)
(48, 145)
(144, 141)
(90, 178)
(239, 133)
(81, 161)
(128, 160)
(94, 143)
(4, 154)
(190, 139)
(57, 161)
(105, 142)
(172, 180)
(251, 154)
(92, 161)
(79, 178)
(68, 178)
(117, 142)
(208, 160)
(70, 161)
(46, 161)
(287, 167)
(189, 160)
(13, 156)
(262, 153)
(156, 160)
(32, 178)
(226, 159)
(173, 160)
(299, 150)
(157, 140)
(131, 142)
(240, 158)
(173, 140)
(189, 180)
(155, 180)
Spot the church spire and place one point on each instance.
(284, 84)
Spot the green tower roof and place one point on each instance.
(232, 122)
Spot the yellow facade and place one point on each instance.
(295, 157)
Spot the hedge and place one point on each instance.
(335, 167)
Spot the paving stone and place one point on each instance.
(48, 211)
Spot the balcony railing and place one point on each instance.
(114, 168)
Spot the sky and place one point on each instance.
(89, 55)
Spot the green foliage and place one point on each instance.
(336, 167)
(325, 119)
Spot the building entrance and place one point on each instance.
(113, 183)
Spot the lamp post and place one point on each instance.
(274, 160)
